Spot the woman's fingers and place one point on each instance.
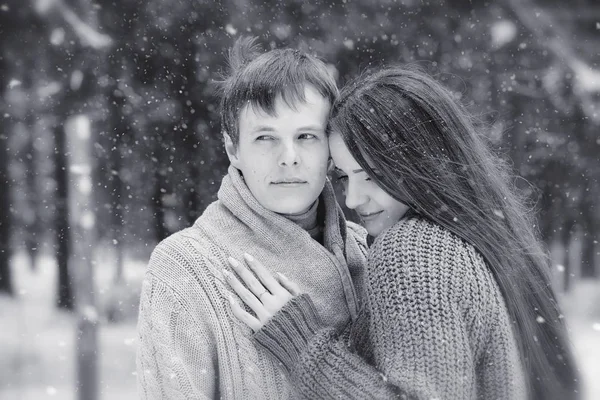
(243, 315)
(247, 297)
(289, 285)
(263, 274)
(265, 303)
(251, 282)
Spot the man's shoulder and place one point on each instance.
(211, 218)
(187, 250)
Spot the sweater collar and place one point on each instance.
(235, 195)
(307, 220)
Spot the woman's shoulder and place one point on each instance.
(416, 230)
(421, 246)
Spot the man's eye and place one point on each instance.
(306, 136)
(342, 178)
(264, 137)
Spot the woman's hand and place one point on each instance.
(265, 295)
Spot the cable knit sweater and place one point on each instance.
(190, 344)
(434, 326)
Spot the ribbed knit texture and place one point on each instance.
(308, 221)
(190, 344)
(434, 326)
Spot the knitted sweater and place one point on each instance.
(191, 346)
(434, 326)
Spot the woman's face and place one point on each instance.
(377, 209)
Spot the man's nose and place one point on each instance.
(289, 155)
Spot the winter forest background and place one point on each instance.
(109, 142)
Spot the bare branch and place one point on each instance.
(88, 35)
(552, 36)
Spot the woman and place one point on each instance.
(458, 302)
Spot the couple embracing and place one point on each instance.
(272, 294)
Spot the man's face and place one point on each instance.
(284, 157)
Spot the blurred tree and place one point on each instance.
(82, 223)
(178, 50)
(573, 86)
(76, 76)
(5, 217)
(13, 109)
(7, 27)
(159, 150)
(118, 21)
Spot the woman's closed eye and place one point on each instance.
(341, 178)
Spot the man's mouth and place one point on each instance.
(289, 182)
(368, 216)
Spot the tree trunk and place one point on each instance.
(5, 218)
(158, 206)
(116, 137)
(157, 197)
(6, 286)
(83, 222)
(566, 234)
(517, 136)
(589, 243)
(65, 298)
(33, 225)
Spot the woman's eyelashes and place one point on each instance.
(338, 175)
(341, 178)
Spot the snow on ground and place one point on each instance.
(582, 309)
(37, 342)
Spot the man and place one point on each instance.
(276, 204)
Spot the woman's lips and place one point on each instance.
(369, 216)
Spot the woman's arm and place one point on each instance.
(317, 359)
(419, 339)
(423, 354)
(433, 307)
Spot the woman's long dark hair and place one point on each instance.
(428, 155)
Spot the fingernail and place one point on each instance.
(248, 257)
(233, 262)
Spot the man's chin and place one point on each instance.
(291, 209)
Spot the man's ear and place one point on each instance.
(231, 150)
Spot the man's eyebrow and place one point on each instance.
(315, 128)
(263, 128)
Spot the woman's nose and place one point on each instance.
(355, 197)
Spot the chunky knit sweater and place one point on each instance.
(434, 326)
(191, 346)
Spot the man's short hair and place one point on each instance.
(258, 78)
